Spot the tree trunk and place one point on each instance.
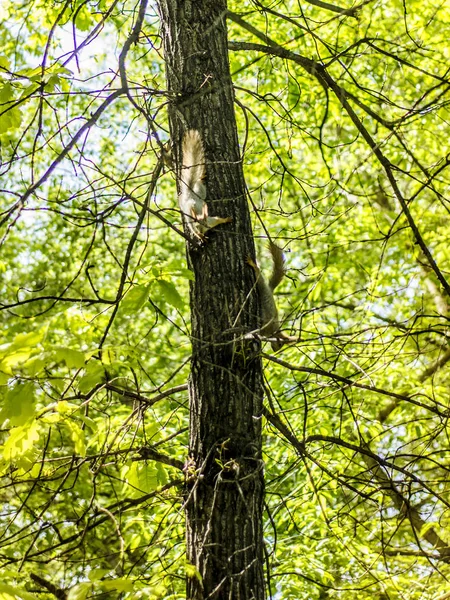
(225, 484)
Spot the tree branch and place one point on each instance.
(59, 593)
(140, 398)
(386, 485)
(312, 370)
(148, 453)
(319, 72)
(89, 123)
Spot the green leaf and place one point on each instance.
(170, 293)
(6, 93)
(135, 299)
(51, 418)
(135, 541)
(161, 474)
(84, 19)
(21, 440)
(4, 63)
(31, 73)
(65, 407)
(97, 574)
(317, 291)
(108, 356)
(22, 341)
(427, 526)
(185, 273)
(19, 350)
(72, 358)
(63, 71)
(11, 119)
(88, 422)
(53, 81)
(143, 477)
(15, 592)
(121, 585)
(18, 405)
(77, 435)
(80, 591)
(30, 89)
(94, 374)
(14, 359)
(35, 365)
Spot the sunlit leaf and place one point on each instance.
(18, 404)
(21, 440)
(121, 585)
(135, 299)
(72, 358)
(80, 591)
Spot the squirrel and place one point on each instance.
(270, 320)
(192, 188)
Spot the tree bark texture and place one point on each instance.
(224, 471)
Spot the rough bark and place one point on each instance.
(225, 485)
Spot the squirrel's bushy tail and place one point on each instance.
(193, 158)
(278, 266)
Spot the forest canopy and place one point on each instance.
(342, 115)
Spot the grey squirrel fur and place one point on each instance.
(270, 320)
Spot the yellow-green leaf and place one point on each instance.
(97, 574)
(94, 374)
(4, 63)
(15, 593)
(77, 435)
(72, 358)
(18, 406)
(80, 591)
(143, 477)
(21, 440)
(121, 585)
(6, 93)
(135, 299)
(192, 571)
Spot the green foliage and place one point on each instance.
(10, 592)
(95, 301)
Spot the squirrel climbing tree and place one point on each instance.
(192, 198)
